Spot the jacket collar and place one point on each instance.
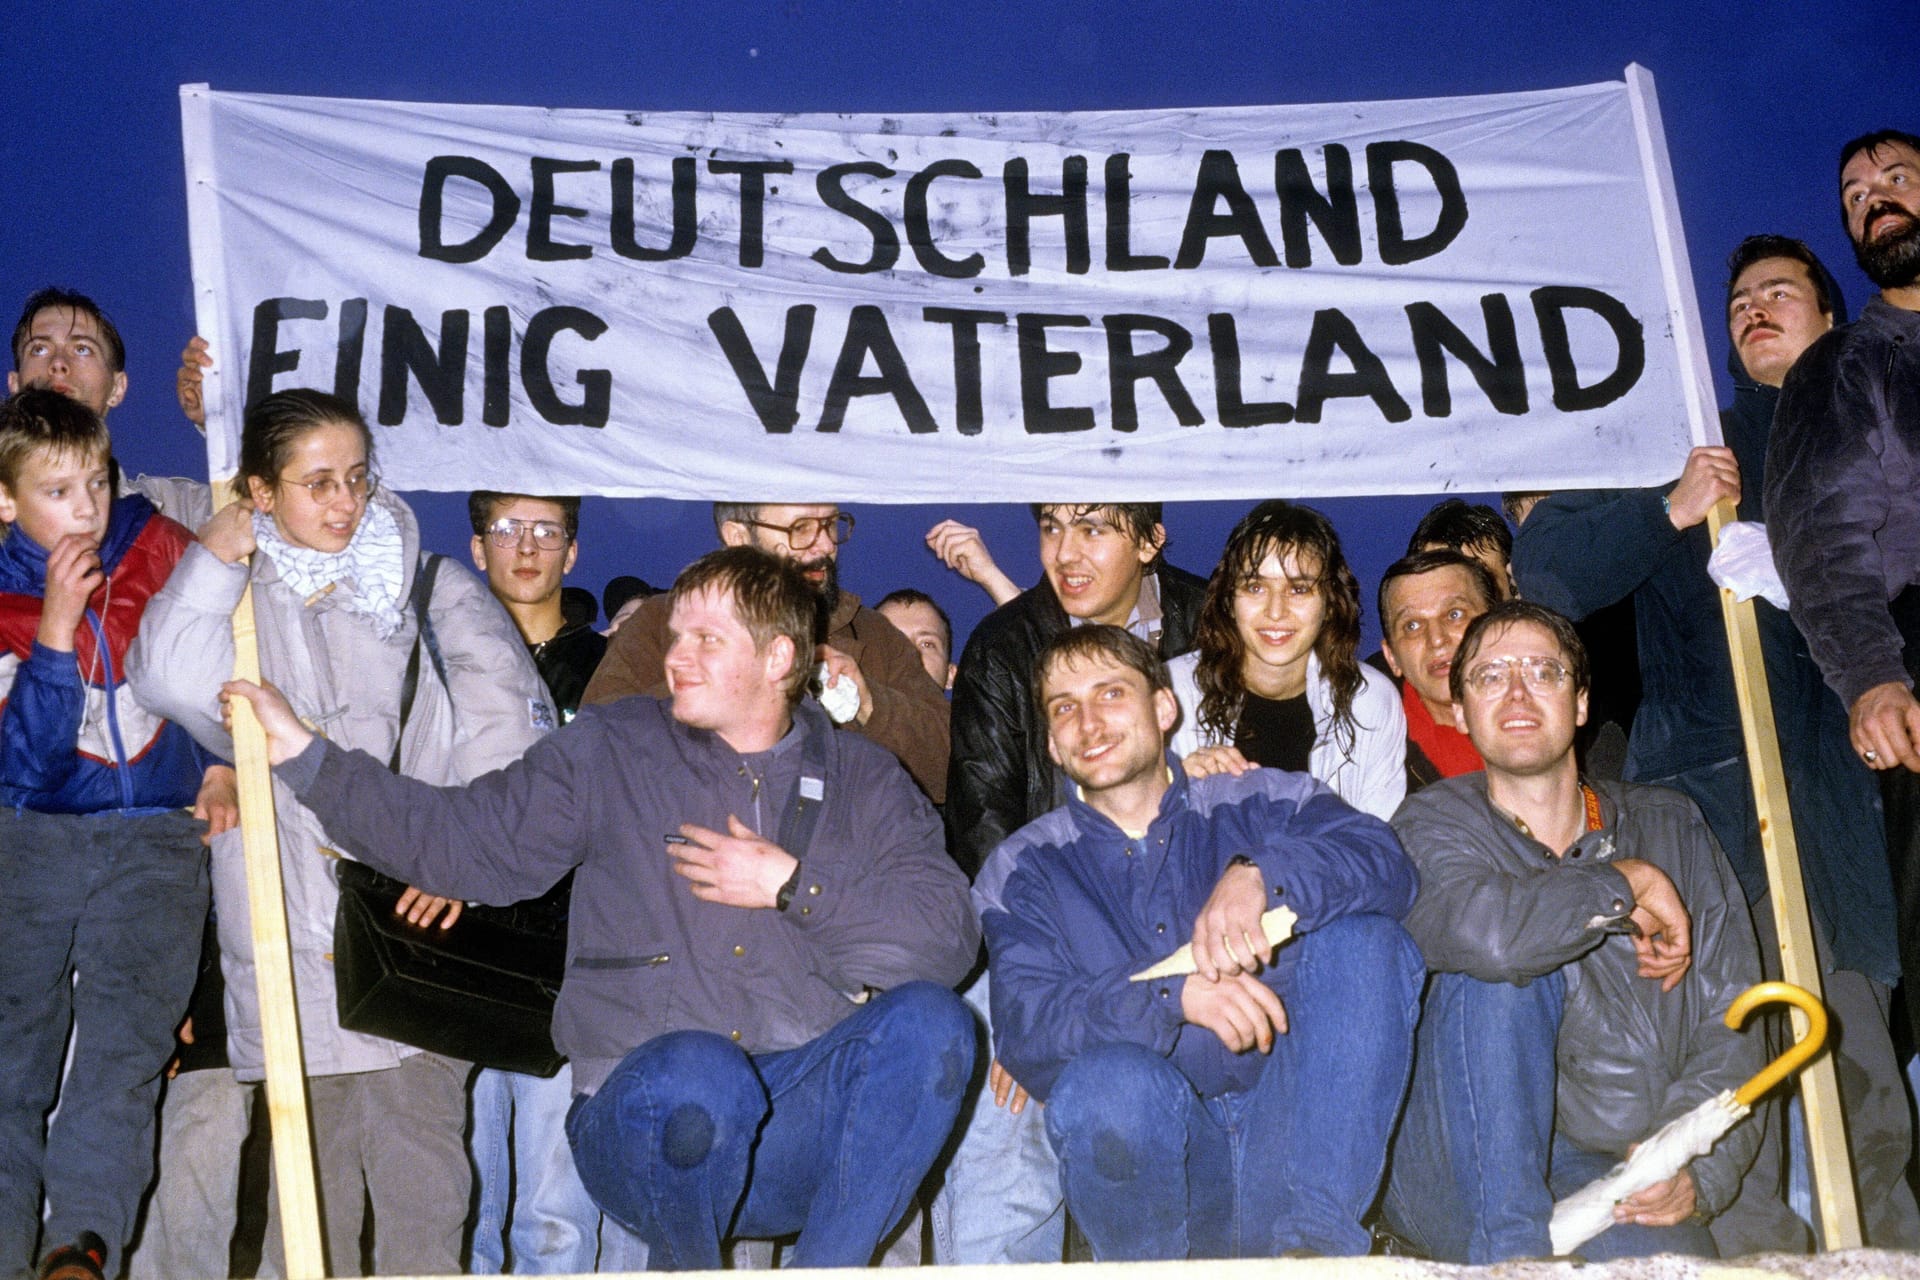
(1092, 823)
(23, 562)
(809, 720)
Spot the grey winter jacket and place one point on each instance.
(1497, 905)
(1843, 493)
(879, 903)
(345, 681)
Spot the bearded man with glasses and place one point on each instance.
(870, 677)
(1585, 940)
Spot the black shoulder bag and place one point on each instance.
(482, 991)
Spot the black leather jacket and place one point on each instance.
(1000, 777)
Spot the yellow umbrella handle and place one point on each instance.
(1800, 1053)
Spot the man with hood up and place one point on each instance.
(1578, 552)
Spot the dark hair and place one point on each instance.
(1509, 613)
(771, 597)
(578, 608)
(1755, 248)
(481, 504)
(1412, 566)
(614, 596)
(275, 423)
(1135, 519)
(1276, 527)
(39, 420)
(1097, 640)
(1871, 143)
(1516, 504)
(1462, 525)
(53, 296)
(912, 596)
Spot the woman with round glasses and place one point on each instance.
(1273, 680)
(332, 560)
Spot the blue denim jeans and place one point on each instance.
(123, 901)
(999, 1198)
(691, 1139)
(533, 1217)
(1476, 1165)
(1154, 1171)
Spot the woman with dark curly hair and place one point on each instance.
(1273, 679)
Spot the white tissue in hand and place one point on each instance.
(839, 698)
(1743, 564)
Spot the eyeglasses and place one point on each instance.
(327, 488)
(547, 534)
(1495, 677)
(805, 531)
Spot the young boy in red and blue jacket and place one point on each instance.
(101, 866)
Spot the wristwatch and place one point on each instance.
(787, 890)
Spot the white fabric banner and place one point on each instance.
(1395, 297)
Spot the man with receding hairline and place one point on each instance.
(1426, 601)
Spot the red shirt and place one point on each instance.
(1450, 750)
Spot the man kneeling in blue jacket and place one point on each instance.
(1175, 1139)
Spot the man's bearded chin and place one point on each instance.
(1892, 261)
(829, 588)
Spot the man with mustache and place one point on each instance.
(875, 682)
(1843, 506)
(1579, 552)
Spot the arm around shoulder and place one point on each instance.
(1479, 916)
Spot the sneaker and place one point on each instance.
(84, 1259)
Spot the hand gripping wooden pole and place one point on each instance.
(1799, 965)
(272, 957)
(293, 1167)
(1826, 1127)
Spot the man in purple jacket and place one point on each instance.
(765, 928)
(1242, 1111)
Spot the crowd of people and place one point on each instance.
(863, 942)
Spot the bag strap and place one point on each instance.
(803, 816)
(423, 577)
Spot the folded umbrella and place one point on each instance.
(1589, 1211)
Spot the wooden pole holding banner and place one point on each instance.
(1819, 1086)
(293, 1166)
(1799, 963)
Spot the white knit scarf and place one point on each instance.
(365, 578)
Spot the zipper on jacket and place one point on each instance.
(120, 772)
(754, 779)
